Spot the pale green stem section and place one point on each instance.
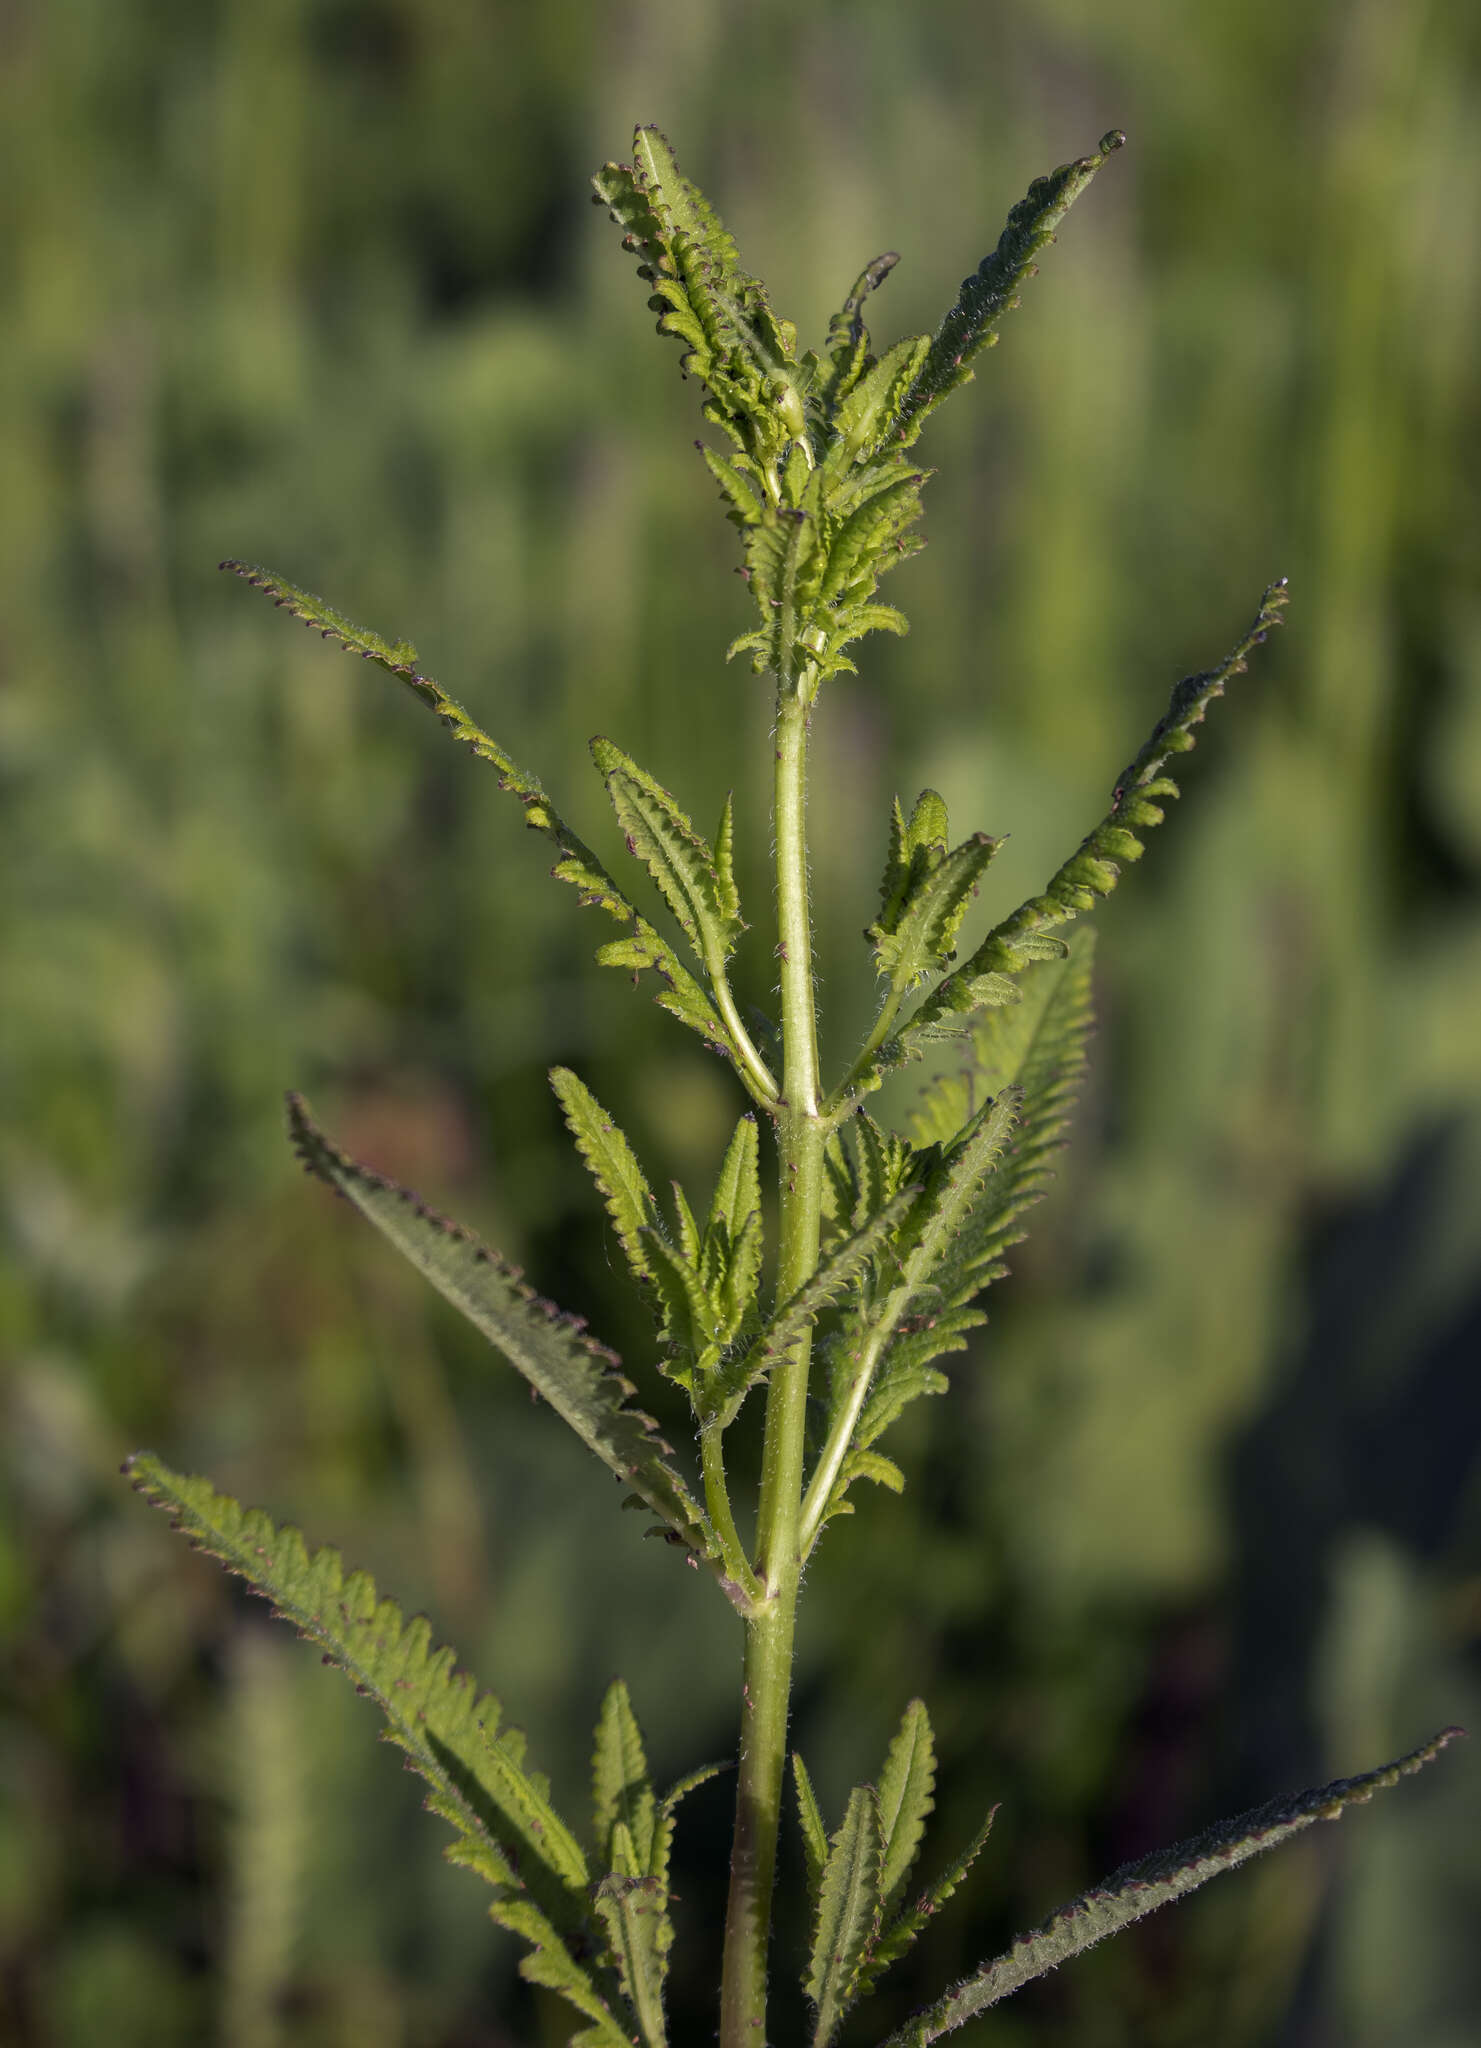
(839, 1104)
(768, 1658)
(717, 1500)
(835, 1450)
(755, 1070)
(943, 1222)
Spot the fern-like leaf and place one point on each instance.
(916, 847)
(1038, 1045)
(869, 1172)
(992, 289)
(725, 883)
(1037, 1048)
(1093, 870)
(930, 1241)
(634, 1834)
(683, 866)
(643, 948)
(847, 346)
(733, 342)
(906, 1785)
(900, 1934)
(729, 1385)
(863, 419)
(847, 1915)
(663, 1834)
(506, 1828)
(621, 1788)
(614, 1167)
(918, 939)
(552, 1966)
(737, 1196)
(733, 1242)
(691, 1317)
(634, 1916)
(1033, 1056)
(1140, 1888)
(814, 1834)
(576, 1375)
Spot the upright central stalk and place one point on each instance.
(768, 1659)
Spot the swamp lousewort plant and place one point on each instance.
(885, 1241)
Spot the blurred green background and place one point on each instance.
(315, 282)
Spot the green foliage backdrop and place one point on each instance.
(315, 282)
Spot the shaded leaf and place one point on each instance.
(507, 1830)
(621, 1788)
(901, 1933)
(633, 1910)
(814, 1834)
(848, 1914)
(552, 1966)
(1140, 1888)
(906, 1785)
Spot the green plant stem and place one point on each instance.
(841, 1103)
(768, 1658)
(754, 1070)
(835, 1450)
(717, 1500)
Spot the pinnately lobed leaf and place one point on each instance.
(433, 1712)
(681, 863)
(1140, 1888)
(507, 1829)
(634, 1832)
(814, 1834)
(899, 1934)
(906, 1785)
(642, 948)
(848, 1913)
(576, 1375)
(818, 478)
(1093, 869)
(621, 1788)
(734, 1380)
(613, 1164)
(992, 289)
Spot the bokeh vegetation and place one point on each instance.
(314, 282)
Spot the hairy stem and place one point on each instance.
(841, 1435)
(839, 1103)
(717, 1500)
(768, 1658)
(754, 1070)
